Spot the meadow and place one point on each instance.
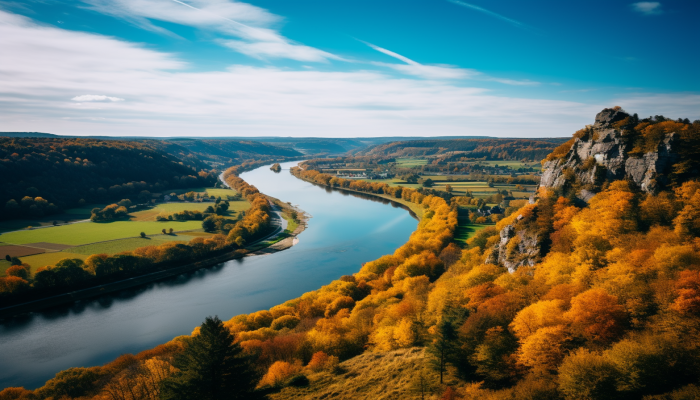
(91, 232)
(410, 162)
(465, 230)
(513, 164)
(459, 188)
(50, 244)
(175, 207)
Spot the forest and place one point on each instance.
(492, 149)
(609, 307)
(46, 176)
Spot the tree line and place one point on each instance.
(44, 176)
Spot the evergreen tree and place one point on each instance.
(443, 349)
(212, 367)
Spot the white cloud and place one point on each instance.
(514, 82)
(43, 67)
(265, 50)
(648, 7)
(95, 97)
(440, 71)
(248, 23)
(424, 71)
(488, 12)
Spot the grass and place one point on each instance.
(410, 162)
(42, 260)
(466, 230)
(175, 207)
(130, 244)
(369, 376)
(91, 232)
(460, 188)
(216, 192)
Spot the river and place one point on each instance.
(344, 232)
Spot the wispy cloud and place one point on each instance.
(488, 12)
(424, 71)
(648, 7)
(96, 97)
(248, 24)
(513, 82)
(440, 71)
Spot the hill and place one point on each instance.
(454, 149)
(41, 176)
(219, 152)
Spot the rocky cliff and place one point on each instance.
(603, 153)
(611, 149)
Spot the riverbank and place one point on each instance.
(264, 246)
(415, 209)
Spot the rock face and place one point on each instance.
(599, 154)
(603, 155)
(516, 248)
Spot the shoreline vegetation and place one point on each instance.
(253, 235)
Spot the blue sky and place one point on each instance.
(342, 69)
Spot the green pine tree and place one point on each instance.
(212, 367)
(443, 349)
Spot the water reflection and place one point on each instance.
(346, 230)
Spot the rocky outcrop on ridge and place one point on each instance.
(517, 248)
(602, 155)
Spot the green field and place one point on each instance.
(459, 188)
(129, 244)
(91, 232)
(410, 162)
(172, 208)
(467, 230)
(216, 192)
(514, 164)
(41, 260)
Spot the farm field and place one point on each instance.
(82, 252)
(41, 260)
(175, 207)
(513, 164)
(410, 162)
(129, 244)
(467, 230)
(478, 189)
(216, 192)
(91, 232)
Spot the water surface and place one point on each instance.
(345, 232)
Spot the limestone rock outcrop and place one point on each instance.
(598, 154)
(604, 155)
(516, 248)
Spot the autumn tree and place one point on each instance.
(596, 316)
(585, 375)
(211, 367)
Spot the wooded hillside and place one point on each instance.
(492, 149)
(42, 176)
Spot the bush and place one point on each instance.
(298, 381)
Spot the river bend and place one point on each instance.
(344, 232)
